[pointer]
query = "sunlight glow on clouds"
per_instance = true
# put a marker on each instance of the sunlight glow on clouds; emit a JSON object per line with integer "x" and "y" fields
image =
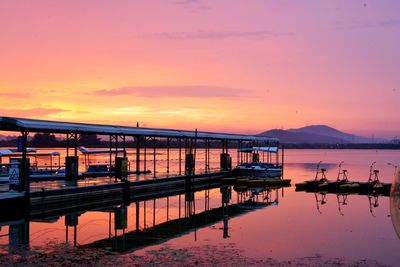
{"x": 215, "y": 65}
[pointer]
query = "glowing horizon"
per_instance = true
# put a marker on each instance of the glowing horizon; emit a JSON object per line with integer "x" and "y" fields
{"x": 225, "y": 66}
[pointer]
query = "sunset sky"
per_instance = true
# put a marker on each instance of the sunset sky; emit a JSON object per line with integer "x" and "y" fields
{"x": 231, "y": 66}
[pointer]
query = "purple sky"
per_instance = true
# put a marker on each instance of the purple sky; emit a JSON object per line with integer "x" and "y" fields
{"x": 241, "y": 66}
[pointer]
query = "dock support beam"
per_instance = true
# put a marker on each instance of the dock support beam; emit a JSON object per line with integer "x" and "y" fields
{"x": 137, "y": 214}
{"x": 168, "y": 156}
{"x": 137, "y": 139}
{"x": 225, "y": 158}
{"x": 154, "y": 157}
{"x": 145, "y": 154}
{"x": 180, "y": 155}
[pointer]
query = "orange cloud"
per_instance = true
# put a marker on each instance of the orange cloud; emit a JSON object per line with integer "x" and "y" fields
{"x": 30, "y": 112}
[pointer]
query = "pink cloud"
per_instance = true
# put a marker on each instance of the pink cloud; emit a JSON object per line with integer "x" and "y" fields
{"x": 174, "y": 91}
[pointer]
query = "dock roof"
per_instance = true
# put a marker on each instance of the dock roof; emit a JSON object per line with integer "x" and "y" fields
{"x": 57, "y": 127}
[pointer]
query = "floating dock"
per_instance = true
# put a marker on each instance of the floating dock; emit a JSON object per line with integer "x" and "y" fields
{"x": 360, "y": 188}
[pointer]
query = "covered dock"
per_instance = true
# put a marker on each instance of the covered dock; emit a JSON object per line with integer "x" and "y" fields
{"x": 145, "y": 141}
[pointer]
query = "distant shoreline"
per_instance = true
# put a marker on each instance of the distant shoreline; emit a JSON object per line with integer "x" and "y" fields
{"x": 216, "y": 144}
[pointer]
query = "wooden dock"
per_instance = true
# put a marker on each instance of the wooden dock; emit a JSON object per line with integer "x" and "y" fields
{"x": 49, "y": 202}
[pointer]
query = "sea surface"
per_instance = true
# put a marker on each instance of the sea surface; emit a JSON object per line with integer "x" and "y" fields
{"x": 288, "y": 225}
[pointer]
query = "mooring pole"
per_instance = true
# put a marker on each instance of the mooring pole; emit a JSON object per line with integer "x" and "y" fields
{"x": 154, "y": 212}
{"x": 66, "y": 234}
{"x": 205, "y": 156}
{"x": 67, "y": 144}
{"x": 115, "y": 161}
{"x": 23, "y": 168}
{"x": 75, "y": 144}
{"x": 282, "y": 161}
{"x": 75, "y": 236}
{"x": 116, "y": 145}
{"x": 167, "y": 155}
{"x": 208, "y": 154}
{"x": 154, "y": 157}
{"x": 145, "y": 154}
{"x": 238, "y": 152}
{"x": 194, "y": 154}
{"x": 180, "y": 156}
{"x": 109, "y": 224}
{"x": 110, "y": 159}
{"x": 137, "y": 138}
{"x": 167, "y": 209}
{"x": 124, "y": 145}
{"x": 137, "y": 216}
{"x": 179, "y": 212}
{"x": 144, "y": 214}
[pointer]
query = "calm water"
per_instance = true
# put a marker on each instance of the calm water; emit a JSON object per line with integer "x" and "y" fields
{"x": 297, "y": 226}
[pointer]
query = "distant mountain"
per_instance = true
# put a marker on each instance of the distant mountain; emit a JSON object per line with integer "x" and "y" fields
{"x": 318, "y": 134}
{"x": 8, "y": 137}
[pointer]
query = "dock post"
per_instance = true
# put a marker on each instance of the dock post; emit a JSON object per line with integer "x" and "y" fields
{"x": 256, "y": 157}
{"x": 154, "y": 212}
{"x": 18, "y": 235}
{"x": 179, "y": 206}
{"x": 137, "y": 139}
{"x": 19, "y": 173}
{"x": 144, "y": 214}
{"x": 76, "y": 144}
{"x": 238, "y": 152}
{"x": 110, "y": 155}
{"x": 71, "y": 167}
{"x": 67, "y": 143}
{"x": 205, "y": 156}
{"x": 145, "y": 154}
{"x": 121, "y": 218}
{"x": 282, "y": 161}
{"x": 72, "y": 220}
{"x": 225, "y": 158}
{"x": 180, "y": 156}
{"x": 167, "y": 156}
{"x": 167, "y": 209}
{"x": 137, "y": 214}
{"x": 189, "y": 164}
{"x": 208, "y": 155}
{"x": 154, "y": 157}
{"x": 115, "y": 160}
{"x": 121, "y": 168}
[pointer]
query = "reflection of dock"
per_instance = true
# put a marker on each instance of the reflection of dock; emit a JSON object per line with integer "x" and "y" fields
{"x": 191, "y": 221}
{"x": 184, "y": 221}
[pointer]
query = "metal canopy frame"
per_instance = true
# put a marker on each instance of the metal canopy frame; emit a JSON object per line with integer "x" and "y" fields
{"x": 44, "y": 126}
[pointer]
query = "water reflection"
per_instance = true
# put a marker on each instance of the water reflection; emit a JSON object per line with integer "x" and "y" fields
{"x": 342, "y": 201}
{"x": 351, "y": 226}
{"x": 395, "y": 204}
{"x": 141, "y": 223}
{"x": 312, "y": 166}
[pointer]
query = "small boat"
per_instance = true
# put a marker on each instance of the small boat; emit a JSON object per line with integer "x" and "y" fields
{"x": 256, "y": 168}
{"x": 35, "y": 170}
{"x": 97, "y": 169}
